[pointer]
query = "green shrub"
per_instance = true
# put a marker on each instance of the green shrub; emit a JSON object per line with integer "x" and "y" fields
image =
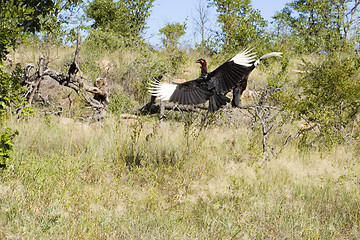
{"x": 10, "y": 90}
{"x": 121, "y": 103}
{"x": 99, "y": 39}
{"x": 329, "y": 95}
{"x": 6, "y": 145}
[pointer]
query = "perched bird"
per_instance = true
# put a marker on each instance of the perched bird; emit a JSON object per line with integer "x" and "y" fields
{"x": 210, "y": 86}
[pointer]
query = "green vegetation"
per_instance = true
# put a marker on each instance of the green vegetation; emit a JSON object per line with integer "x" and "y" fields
{"x": 126, "y": 19}
{"x": 6, "y": 145}
{"x": 316, "y": 26}
{"x": 240, "y": 23}
{"x": 286, "y": 165}
{"x": 10, "y": 93}
{"x": 74, "y": 180}
{"x": 172, "y": 32}
{"x": 329, "y": 96}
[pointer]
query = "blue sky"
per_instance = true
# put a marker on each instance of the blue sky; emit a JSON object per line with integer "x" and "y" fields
{"x": 169, "y": 11}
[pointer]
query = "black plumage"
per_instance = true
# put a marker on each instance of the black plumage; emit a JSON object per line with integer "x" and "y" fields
{"x": 240, "y": 87}
{"x": 243, "y": 72}
{"x": 210, "y": 86}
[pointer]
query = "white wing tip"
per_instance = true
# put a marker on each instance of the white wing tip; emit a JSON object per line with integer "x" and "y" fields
{"x": 245, "y": 58}
{"x": 162, "y": 91}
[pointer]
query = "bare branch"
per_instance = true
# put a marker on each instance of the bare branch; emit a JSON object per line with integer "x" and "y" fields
{"x": 98, "y": 101}
{"x": 202, "y": 19}
{"x": 39, "y": 78}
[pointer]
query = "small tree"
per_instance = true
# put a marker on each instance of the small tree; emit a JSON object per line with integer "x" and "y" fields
{"x": 127, "y": 19}
{"x": 201, "y": 21}
{"x": 241, "y": 25}
{"x": 268, "y": 114}
{"x": 172, "y": 33}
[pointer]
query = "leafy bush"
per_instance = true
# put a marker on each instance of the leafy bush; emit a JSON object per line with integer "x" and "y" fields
{"x": 329, "y": 95}
{"x": 6, "y": 145}
{"x": 10, "y": 89}
{"x": 99, "y": 39}
{"x": 120, "y": 103}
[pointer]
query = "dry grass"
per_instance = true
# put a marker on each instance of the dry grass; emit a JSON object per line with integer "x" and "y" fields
{"x": 70, "y": 180}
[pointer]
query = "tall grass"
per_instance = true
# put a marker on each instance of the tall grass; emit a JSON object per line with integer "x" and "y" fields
{"x": 194, "y": 177}
{"x": 69, "y": 180}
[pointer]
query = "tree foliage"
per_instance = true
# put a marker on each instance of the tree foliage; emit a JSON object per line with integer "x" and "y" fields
{"x": 32, "y": 16}
{"x": 13, "y": 17}
{"x": 125, "y": 18}
{"x": 10, "y": 91}
{"x": 319, "y": 25}
{"x": 52, "y": 24}
{"x": 241, "y": 25}
{"x": 172, "y": 33}
{"x": 328, "y": 95}
{"x": 6, "y": 145}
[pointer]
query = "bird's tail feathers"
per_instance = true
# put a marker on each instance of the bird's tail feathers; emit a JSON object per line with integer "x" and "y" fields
{"x": 217, "y": 101}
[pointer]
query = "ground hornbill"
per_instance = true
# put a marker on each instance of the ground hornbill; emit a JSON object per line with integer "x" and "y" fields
{"x": 211, "y": 86}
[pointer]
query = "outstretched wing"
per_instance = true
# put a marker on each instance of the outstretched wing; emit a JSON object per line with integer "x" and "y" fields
{"x": 191, "y": 92}
{"x": 219, "y": 81}
{"x": 226, "y": 76}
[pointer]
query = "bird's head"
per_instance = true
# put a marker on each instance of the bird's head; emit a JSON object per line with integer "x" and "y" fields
{"x": 203, "y": 65}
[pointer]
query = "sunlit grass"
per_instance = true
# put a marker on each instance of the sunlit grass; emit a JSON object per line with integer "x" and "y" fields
{"x": 186, "y": 179}
{"x": 80, "y": 181}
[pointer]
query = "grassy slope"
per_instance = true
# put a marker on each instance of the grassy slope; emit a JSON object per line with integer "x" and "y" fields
{"x": 70, "y": 180}
{"x": 76, "y": 181}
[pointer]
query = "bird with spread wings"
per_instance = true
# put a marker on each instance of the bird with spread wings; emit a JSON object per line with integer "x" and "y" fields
{"x": 210, "y": 86}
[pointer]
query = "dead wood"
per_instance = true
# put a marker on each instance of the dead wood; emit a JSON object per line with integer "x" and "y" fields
{"x": 73, "y": 79}
{"x": 153, "y": 108}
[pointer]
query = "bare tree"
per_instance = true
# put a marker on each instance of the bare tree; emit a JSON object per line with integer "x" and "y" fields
{"x": 352, "y": 22}
{"x": 268, "y": 116}
{"x": 73, "y": 79}
{"x": 202, "y": 19}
